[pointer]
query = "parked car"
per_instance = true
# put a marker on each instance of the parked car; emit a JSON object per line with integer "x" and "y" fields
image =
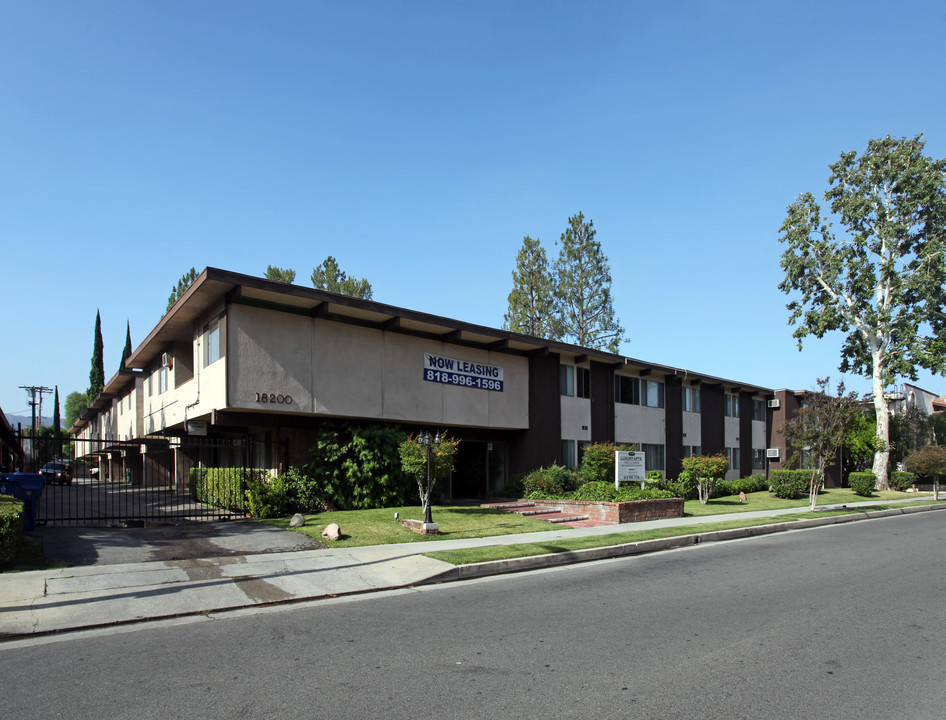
{"x": 57, "y": 471}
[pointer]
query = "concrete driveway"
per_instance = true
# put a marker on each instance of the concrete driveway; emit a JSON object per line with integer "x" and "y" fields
{"x": 186, "y": 541}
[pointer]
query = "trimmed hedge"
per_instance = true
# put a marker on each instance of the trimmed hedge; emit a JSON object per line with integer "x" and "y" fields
{"x": 605, "y": 492}
{"x": 862, "y": 483}
{"x": 224, "y": 487}
{"x": 11, "y": 527}
{"x": 790, "y": 484}
{"x": 901, "y": 480}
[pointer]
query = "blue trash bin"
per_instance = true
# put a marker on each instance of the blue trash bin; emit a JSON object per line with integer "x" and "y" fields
{"x": 27, "y": 487}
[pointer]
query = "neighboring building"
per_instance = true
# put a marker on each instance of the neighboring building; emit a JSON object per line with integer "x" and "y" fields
{"x": 240, "y": 356}
{"x": 11, "y": 452}
{"x": 782, "y": 409}
{"x": 908, "y": 395}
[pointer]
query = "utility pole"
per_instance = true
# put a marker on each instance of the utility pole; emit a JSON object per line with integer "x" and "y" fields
{"x": 33, "y": 390}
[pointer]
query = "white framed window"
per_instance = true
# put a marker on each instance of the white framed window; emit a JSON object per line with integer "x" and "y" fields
{"x": 652, "y": 393}
{"x": 213, "y": 341}
{"x": 162, "y": 379}
{"x": 569, "y": 454}
{"x": 691, "y": 399}
{"x": 566, "y": 380}
{"x": 731, "y": 405}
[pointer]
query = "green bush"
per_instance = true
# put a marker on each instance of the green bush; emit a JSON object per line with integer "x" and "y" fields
{"x": 223, "y": 487}
{"x": 753, "y": 483}
{"x": 549, "y": 481}
{"x": 597, "y": 462}
{"x": 790, "y": 484}
{"x": 654, "y": 477}
{"x": 901, "y": 480}
{"x": 267, "y": 497}
{"x": 724, "y": 488}
{"x": 685, "y": 486}
{"x": 862, "y": 483}
{"x": 358, "y": 467}
{"x": 11, "y": 527}
{"x": 303, "y": 491}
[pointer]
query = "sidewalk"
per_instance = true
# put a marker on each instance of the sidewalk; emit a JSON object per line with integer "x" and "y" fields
{"x": 50, "y": 601}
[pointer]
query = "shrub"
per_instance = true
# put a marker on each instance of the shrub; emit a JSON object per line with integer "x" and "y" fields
{"x": 901, "y": 480}
{"x": 267, "y": 497}
{"x": 654, "y": 477}
{"x": 597, "y": 462}
{"x": 223, "y": 487}
{"x": 605, "y": 492}
{"x": 553, "y": 480}
{"x": 709, "y": 470}
{"x": 753, "y": 483}
{"x": 790, "y": 484}
{"x": 303, "y": 491}
{"x": 11, "y": 527}
{"x": 685, "y": 486}
{"x": 862, "y": 483}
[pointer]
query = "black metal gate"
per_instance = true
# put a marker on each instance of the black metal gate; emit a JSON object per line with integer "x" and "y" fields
{"x": 148, "y": 481}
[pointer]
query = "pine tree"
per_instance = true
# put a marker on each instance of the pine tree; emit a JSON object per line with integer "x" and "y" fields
{"x": 185, "y": 282}
{"x": 126, "y": 352}
{"x": 532, "y": 308}
{"x": 57, "y": 419}
{"x": 278, "y": 274}
{"x": 583, "y": 286}
{"x": 97, "y": 373}
{"x": 328, "y": 276}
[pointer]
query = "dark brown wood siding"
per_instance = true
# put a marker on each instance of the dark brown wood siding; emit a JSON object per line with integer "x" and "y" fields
{"x": 673, "y": 404}
{"x": 541, "y": 444}
{"x": 602, "y": 403}
{"x": 745, "y": 434}
{"x": 712, "y": 434}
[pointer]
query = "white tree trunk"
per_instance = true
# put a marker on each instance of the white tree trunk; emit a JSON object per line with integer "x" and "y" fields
{"x": 882, "y": 453}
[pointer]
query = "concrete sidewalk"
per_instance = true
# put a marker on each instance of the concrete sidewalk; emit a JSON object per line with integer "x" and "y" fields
{"x": 50, "y": 601}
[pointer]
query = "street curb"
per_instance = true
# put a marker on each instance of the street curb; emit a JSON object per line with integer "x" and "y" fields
{"x": 570, "y": 557}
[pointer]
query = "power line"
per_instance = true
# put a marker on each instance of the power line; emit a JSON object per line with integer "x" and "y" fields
{"x": 33, "y": 402}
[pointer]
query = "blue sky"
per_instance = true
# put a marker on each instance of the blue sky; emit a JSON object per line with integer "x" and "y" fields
{"x": 418, "y": 142}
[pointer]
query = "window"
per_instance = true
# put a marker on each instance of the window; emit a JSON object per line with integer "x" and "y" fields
{"x": 758, "y": 409}
{"x": 566, "y": 380}
{"x": 653, "y": 456}
{"x": 691, "y": 399}
{"x": 582, "y": 382}
{"x": 652, "y": 393}
{"x": 162, "y": 375}
{"x": 732, "y": 455}
{"x": 150, "y": 388}
{"x": 627, "y": 390}
{"x": 758, "y": 459}
{"x": 731, "y": 405}
{"x": 691, "y": 450}
{"x": 212, "y": 341}
{"x": 568, "y": 454}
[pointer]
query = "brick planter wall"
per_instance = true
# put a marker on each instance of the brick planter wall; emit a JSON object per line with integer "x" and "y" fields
{"x": 619, "y": 512}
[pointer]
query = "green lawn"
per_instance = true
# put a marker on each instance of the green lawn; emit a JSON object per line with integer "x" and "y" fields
{"x": 378, "y": 527}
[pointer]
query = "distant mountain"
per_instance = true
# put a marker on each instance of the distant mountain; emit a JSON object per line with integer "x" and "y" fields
{"x": 26, "y": 420}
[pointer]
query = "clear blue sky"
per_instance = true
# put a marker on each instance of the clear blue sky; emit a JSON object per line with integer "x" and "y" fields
{"x": 418, "y": 142}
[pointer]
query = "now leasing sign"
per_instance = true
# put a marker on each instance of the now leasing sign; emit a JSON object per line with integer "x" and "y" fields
{"x": 463, "y": 373}
{"x": 628, "y": 467}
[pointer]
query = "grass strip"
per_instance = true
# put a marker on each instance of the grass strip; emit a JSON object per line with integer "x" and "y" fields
{"x": 507, "y": 552}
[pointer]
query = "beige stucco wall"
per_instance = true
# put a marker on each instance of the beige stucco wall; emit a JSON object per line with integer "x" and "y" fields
{"x": 576, "y": 418}
{"x": 692, "y": 428}
{"x": 639, "y": 424}
{"x": 342, "y": 370}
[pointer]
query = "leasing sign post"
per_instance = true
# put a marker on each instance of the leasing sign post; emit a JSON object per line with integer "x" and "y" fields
{"x": 629, "y": 467}
{"x": 462, "y": 373}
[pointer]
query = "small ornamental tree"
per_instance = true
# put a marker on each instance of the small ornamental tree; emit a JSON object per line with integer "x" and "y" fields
{"x": 414, "y": 463}
{"x": 818, "y": 429}
{"x": 708, "y": 470}
{"x": 929, "y": 462}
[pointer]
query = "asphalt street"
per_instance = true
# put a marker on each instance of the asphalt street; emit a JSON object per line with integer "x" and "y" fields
{"x": 840, "y": 621}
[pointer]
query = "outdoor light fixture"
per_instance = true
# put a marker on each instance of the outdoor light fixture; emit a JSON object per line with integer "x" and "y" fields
{"x": 426, "y": 441}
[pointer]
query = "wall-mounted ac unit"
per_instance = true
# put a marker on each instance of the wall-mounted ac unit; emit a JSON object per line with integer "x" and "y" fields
{"x": 165, "y": 359}
{"x": 773, "y": 453}
{"x": 775, "y": 403}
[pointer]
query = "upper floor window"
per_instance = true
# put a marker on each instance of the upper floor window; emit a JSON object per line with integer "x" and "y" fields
{"x": 758, "y": 410}
{"x": 627, "y": 390}
{"x": 566, "y": 380}
{"x": 652, "y": 393}
{"x": 731, "y": 405}
{"x": 213, "y": 341}
{"x": 582, "y": 382}
{"x": 162, "y": 379}
{"x": 691, "y": 399}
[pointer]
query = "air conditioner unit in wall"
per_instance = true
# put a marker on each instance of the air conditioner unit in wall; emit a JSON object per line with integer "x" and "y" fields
{"x": 165, "y": 359}
{"x": 775, "y": 403}
{"x": 773, "y": 453}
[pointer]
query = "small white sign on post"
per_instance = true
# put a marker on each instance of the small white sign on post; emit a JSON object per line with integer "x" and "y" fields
{"x": 628, "y": 467}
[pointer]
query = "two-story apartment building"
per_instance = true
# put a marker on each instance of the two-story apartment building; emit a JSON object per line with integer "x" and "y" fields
{"x": 240, "y": 356}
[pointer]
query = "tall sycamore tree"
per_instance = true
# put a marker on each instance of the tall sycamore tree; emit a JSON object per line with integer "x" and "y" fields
{"x": 881, "y": 283}
{"x": 583, "y": 286}
{"x": 532, "y": 306}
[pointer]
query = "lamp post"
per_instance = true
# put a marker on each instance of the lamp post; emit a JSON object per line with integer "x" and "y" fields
{"x": 426, "y": 441}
